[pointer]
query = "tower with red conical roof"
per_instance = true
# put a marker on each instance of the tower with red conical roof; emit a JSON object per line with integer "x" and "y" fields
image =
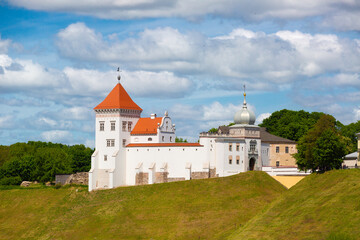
{"x": 116, "y": 117}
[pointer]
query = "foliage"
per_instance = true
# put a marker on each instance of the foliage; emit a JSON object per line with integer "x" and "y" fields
{"x": 322, "y": 148}
{"x": 290, "y": 124}
{"x": 213, "y": 130}
{"x": 180, "y": 140}
{"x": 41, "y": 161}
{"x": 11, "y": 181}
{"x": 349, "y": 132}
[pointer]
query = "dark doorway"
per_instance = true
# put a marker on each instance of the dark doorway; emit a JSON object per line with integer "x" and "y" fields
{"x": 252, "y": 164}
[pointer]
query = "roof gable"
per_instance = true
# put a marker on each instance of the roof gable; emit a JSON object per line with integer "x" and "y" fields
{"x": 118, "y": 98}
{"x": 146, "y": 126}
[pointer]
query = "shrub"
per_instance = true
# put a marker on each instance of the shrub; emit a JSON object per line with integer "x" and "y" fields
{"x": 11, "y": 181}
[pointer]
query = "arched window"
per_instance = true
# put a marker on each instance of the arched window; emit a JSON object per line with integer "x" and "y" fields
{"x": 149, "y": 139}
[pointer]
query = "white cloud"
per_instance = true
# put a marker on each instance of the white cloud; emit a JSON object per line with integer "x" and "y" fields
{"x": 76, "y": 113}
{"x": 6, "y": 121}
{"x": 261, "y": 118}
{"x": 331, "y": 10}
{"x": 4, "y": 45}
{"x": 263, "y": 59}
{"x": 57, "y": 136}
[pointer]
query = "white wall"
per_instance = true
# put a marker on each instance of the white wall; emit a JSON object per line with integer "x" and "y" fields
{"x": 176, "y": 159}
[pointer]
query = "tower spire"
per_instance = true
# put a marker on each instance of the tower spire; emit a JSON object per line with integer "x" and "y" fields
{"x": 244, "y": 104}
{"x": 118, "y": 77}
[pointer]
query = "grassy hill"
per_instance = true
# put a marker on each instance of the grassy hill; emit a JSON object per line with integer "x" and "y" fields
{"x": 321, "y": 206}
{"x": 197, "y": 209}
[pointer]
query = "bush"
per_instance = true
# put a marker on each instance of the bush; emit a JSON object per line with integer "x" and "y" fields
{"x": 11, "y": 181}
{"x": 57, "y": 186}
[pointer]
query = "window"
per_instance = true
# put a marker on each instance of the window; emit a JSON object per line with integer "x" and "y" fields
{"x": 124, "y": 126}
{"x": 170, "y": 139}
{"x": 277, "y": 163}
{"x": 149, "y": 139}
{"x": 163, "y": 138}
{"x": 237, "y": 147}
{"x": 230, "y": 147}
{"x": 277, "y": 149}
{"x": 112, "y": 126}
{"x": 110, "y": 142}
{"x": 252, "y": 146}
{"x": 124, "y": 143}
{"x": 105, "y": 158}
{"x": 237, "y": 160}
{"x": 102, "y": 126}
{"x": 129, "y": 126}
{"x": 286, "y": 149}
{"x": 230, "y": 159}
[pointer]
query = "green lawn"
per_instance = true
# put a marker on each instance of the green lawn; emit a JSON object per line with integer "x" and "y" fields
{"x": 196, "y": 209}
{"x": 321, "y": 206}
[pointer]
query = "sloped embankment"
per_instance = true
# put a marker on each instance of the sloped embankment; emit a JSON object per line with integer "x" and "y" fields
{"x": 196, "y": 209}
{"x": 321, "y": 206}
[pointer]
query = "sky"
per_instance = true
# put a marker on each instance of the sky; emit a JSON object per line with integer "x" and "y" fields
{"x": 58, "y": 60}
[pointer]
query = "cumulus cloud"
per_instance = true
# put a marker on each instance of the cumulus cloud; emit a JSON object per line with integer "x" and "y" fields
{"x": 56, "y": 136}
{"x": 263, "y": 59}
{"x": 330, "y": 10}
{"x": 6, "y": 121}
{"x": 261, "y": 118}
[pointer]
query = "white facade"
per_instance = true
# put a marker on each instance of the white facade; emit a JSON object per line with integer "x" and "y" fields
{"x": 131, "y": 150}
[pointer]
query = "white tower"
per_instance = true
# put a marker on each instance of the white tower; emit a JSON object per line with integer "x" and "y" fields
{"x": 116, "y": 116}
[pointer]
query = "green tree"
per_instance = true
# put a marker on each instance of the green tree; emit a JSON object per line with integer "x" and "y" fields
{"x": 322, "y": 147}
{"x": 179, "y": 140}
{"x": 290, "y": 124}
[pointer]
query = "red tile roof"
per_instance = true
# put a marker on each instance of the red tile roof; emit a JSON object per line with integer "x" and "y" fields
{"x": 118, "y": 98}
{"x": 146, "y": 126}
{"x": 164, "y": 145}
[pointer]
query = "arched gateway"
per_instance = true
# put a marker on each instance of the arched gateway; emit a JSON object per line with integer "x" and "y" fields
{"x": 252, "y": 164}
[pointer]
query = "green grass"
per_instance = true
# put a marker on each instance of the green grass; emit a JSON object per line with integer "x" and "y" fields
{"x": 196, "y": 209}
{"x": 321, "y": 206}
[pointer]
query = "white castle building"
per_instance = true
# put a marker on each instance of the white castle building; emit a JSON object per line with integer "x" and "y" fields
{"x": 132, "y": 150}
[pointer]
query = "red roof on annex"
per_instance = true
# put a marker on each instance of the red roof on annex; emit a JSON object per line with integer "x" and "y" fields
{"x": 146, "y": 126}
{"x": 118, "y": 98}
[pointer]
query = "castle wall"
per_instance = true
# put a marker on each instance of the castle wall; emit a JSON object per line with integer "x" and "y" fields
{"x": 165, "y": 162}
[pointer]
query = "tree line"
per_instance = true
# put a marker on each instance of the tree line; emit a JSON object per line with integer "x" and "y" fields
{"x": 41, "y": 161}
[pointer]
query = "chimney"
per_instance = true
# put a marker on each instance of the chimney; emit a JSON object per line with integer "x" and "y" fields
{"x": 153, "y": 116}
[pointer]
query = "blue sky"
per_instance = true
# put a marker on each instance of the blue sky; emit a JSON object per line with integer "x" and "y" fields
{"x": 58, "y": 60}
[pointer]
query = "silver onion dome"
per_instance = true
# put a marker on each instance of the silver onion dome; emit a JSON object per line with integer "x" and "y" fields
{"x": 245, "y": 116}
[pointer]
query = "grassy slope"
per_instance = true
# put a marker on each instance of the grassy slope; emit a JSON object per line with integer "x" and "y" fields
{"x": 197, "y": 209}
{"x": 321, "y": 206}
